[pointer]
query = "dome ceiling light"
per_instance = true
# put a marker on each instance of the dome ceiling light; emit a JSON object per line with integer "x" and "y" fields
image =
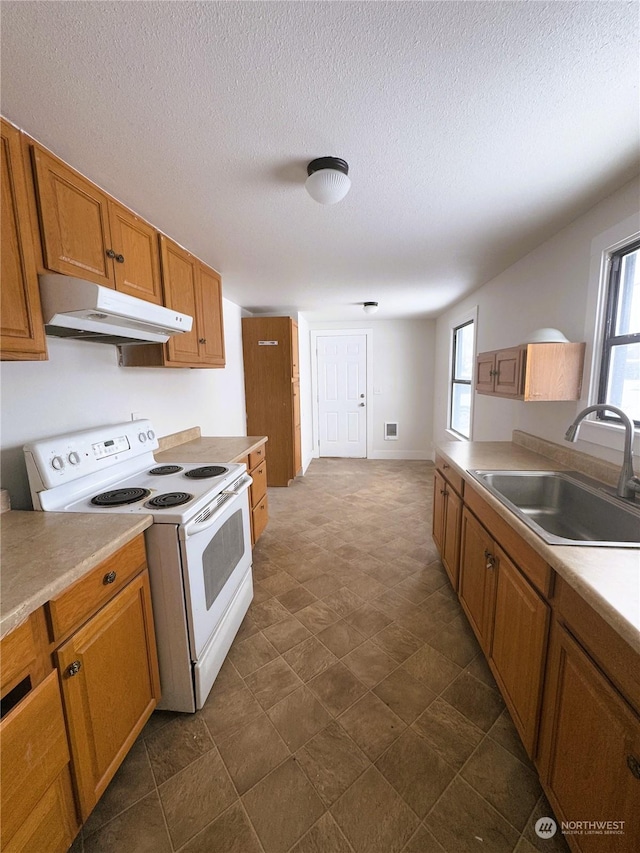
{"x": 370, "y": 307}
{"x": 328, "y": 180}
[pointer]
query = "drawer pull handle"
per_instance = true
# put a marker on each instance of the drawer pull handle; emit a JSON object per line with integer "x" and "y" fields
{"x": 490, "y": 560}
{"x": 73, "y": 668}
{"x": 634, "y": 765}
{"x": 109, "y": 578}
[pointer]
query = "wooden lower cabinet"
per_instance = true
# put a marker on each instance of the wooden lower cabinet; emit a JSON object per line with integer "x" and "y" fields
{"x": 477, "y": 578}
{"x": 257, "y": 466}
{"x": 110, "y": 686}
{"x": 589, "y": 758}
{"x": 447, "y": 518}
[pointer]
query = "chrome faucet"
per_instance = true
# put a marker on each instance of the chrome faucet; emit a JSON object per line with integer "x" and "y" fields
{"x": 628, "y": 483}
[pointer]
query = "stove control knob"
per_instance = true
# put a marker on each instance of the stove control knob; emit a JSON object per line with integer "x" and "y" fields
{"x": 58, "y": 463}
{"x": 74, "y": 458}
{"x": 151, "y": 434}
{"x": 142, "y": 437}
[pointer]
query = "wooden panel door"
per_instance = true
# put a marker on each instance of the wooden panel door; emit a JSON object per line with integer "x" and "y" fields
{"x": 297, "y": 431}
{"x": 342, "y": 386}
{"x": 22, "y": 332}
{"x": 210, "y": 320}
{"x": 439, "y": 507}
{"x": 508, "y": 372}
{"x": 485, "y": 368}
{"x": 179, "y": 277}
{"x": 519, "y": 642}
{"x": 137, "y": 261}
{"x": 75, "y": 221}
{"x": 477, "y": 577}
{"x": 590, "y": 748}
{"x": 110, "y": 685}
{"x": 450, "y": 554}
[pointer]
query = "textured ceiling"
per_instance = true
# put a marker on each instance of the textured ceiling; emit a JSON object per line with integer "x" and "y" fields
{"x": 473, "y": 131}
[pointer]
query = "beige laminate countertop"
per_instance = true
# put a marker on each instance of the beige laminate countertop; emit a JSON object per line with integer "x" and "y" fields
{"x": 45, "y": 552}
{"x": 608, "y": 578}
{"x": 210, "y": 449}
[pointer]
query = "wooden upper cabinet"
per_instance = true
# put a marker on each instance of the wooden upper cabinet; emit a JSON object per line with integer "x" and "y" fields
{"x": 210, "y": 320}
{"x": 86, "y": 234}
{"x": 21, "y": 327}
{"x": 532, "y": 372}
{"x": 180, "y": 277}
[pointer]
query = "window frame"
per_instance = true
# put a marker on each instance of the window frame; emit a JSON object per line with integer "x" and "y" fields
{"x": 469, "y": 319}
{"x": 609, "y": 339}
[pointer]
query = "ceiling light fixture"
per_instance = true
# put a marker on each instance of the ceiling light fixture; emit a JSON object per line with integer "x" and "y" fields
{"x": 370, "y": 307}
{"x": 328, "y": 180}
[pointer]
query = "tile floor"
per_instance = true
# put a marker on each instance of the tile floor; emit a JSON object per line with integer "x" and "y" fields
{"x": 354, "y": 714}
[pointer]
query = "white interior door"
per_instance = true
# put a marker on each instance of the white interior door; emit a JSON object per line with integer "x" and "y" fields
{"x": 342, "y": 402}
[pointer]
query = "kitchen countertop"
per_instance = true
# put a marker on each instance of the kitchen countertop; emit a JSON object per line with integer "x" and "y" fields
{"x": 209, "y": 449}
{"x": 607, "y": 578}
{"x": 45, "y": 552}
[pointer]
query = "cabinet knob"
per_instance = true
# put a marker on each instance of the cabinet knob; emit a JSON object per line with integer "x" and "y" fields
{"x": 490, "y": 560}
{"x": 443, "y": 491}
{"x": 73, "y": 668}
{"x": 634, "y": 765}
{"x": 111, "y": 253}
{"x": 202, "y": 340}
{"x": 119, "y": 259}
{"x": 109, "y": 578}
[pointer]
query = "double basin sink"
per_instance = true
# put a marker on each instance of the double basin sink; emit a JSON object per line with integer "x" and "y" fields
{"x": 566, "y": 508}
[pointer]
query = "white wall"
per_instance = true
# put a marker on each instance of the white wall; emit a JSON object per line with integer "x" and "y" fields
{"x": 551, "y": 286}
{"x": 403, "y": 373}
{"x": 82, "y": 386}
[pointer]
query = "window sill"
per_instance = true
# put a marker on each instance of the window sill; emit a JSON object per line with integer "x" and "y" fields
{"x": 455, "y": 436}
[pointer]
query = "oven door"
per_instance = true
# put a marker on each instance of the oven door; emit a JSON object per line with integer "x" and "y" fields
{"x": 216, "y": 558}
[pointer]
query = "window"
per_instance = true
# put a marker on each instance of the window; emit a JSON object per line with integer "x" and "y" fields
{"x": 461, "y": 378}
{"x": 620, "y": 366}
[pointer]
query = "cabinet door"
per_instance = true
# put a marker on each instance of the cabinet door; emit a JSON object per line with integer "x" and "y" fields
{"x": 110, "y": 685}
{"x": 477, "y": 577}
{"x": 75, "y": 224}
{"x": 590, "y": 748}
{"x": 22, "y": 331}
{"x": 210, "y": 320}
{"x": 295, "y": 351}
{"x": 520, "y": 627}
{"x": 439, "y": 503}
{"x": 508, "y": 372}
{"x": 297, "y": 447}
{"x": 485, "y": 368}
{"x": 136, "y": 243}
{"x": 451, "y": 548}
{"x": 179, "y": 277}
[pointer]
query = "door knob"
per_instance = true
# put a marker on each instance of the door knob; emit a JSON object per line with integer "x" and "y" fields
{"x": 362, "y": 395}
{"x": 361, "y": 404}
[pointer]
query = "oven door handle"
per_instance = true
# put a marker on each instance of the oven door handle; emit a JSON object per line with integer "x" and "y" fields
{"x": 195, "y": 527}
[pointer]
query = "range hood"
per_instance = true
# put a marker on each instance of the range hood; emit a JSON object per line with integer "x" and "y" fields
{"x": 78, "y": 309}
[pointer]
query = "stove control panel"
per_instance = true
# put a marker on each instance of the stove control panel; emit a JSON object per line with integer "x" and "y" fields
{"x": 110, "y": 446}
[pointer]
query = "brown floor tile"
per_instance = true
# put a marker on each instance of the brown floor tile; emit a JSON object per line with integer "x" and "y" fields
{"x": 247, "y": 628}
{"x": 449, "y": 732}
{"x": 159, "y": 719}
{"x": 369, "y": 663}
{"x": 194, "y": 797}
{"x": 323, "y": 837}
{"x": 317, "y": 616}
{"x": 337, "y": 688}
{"x": 524, "y": 846}
{"x": 461, "y": 816}
{"x": 176, "y": 745}
{"x": 296, "y": 599}
{"x": 140, "y": 828}
{"x": 287, "y": 787}
{"x": 475, "y": 700}
{"x": 368, "y": 619}
{"x": 479, "y": 668}
{"x": 432, "y": 668}
{"x": 251, "y": 654}
{"x": 397, "y": 642}
{"x": 260, "y": 593}
{"x": 365, "y": 586}
{"x": 279, "y": 583}
{"x": 227, "y": 679}
{"x": 225, "y": 713}
{"x": 393, "y": 603}
{"x": 273, "y": 682}
{"x": 556, "y": 844}
{"x": 309, "y": 658}
{"x": 456, "y": 641}
{"x": 405, "y": 695}
{"x": 422, "y": 622}
{"x": 504, "y": 732}
{"x": 341, "y": 638}
{"x": 230, "y": 833}
{"x": 503, "y": 781}
{"x": 386, "y": 823}
{"x": 252, "y": 752}
{"x": 423, "y": 842}
{"x": 299, "y": 717}
{"x": 372, "y": 725}
{"x": 133, "y": 781}
{"x": 416, "y": 771}
{"x": 323, "y": 585}
{"x": 332, "y": 761}
{"x": 414, "y": 589}
{"x": 268, "y": 613}
{"x": 286, "y": 634}
{"x": 343, "y": 601}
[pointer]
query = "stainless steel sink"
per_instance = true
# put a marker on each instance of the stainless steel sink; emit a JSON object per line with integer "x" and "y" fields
{"x": 566, "y": 508}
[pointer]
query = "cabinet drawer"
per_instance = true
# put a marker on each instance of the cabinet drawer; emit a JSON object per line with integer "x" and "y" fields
{"x": 52, "y": 825}
{"x": 79, "y": 601}
{"x": 34, "y": 752}
{"x": 257, "y": 457}
{"x": 449, "y": 473}
{"x": 259, "y": 485}
{"x": 260, "y": 516}
{"x": 23, "y": 652}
